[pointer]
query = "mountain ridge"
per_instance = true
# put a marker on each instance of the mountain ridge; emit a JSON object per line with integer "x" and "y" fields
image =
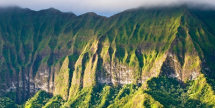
{"x": 75, "y": 56}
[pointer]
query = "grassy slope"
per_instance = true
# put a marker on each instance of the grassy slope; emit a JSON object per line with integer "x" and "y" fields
{"x": 30, "y": 39}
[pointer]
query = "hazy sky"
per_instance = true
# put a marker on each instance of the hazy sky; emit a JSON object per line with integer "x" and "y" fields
{"x": 101, "y": 7}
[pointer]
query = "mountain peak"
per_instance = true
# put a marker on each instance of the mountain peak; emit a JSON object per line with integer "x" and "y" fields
{"x": 75, "y": 57}
{"x": 89, "y": 14}
{"x": 51, "y": 10}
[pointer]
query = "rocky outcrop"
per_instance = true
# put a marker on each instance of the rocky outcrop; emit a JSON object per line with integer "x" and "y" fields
{"x": 62, "y": 53}
{"x": 115, "y": 75}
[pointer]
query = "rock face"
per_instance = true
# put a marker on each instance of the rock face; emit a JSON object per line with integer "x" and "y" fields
{"x": 62, "y": 53}
{"x": 172, "y": 68}
{"x": 118, "y": 74}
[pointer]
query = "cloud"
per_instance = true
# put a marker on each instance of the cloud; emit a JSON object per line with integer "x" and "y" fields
{"x": 102, "y": 7}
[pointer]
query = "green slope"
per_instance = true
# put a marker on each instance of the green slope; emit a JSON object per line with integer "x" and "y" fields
{"x": 120, "y": 61}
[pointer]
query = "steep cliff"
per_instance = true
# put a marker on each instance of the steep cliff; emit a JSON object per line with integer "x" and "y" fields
{"x": 77, "y": 56}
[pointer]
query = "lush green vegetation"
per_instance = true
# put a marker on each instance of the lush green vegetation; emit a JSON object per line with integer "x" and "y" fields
{"x": 54, "y": 102}
{"x": 156, "y": 93}
{"x": 6, "y": 102}
{"x": 39, "y": 100}
{"x": 155, "y": 44}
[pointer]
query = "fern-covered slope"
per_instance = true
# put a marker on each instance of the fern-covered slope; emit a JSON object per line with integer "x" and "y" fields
{"x": 74, "y": 56}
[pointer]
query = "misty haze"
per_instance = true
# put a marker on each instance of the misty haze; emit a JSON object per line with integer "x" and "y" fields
{"x": 107, "y": 54}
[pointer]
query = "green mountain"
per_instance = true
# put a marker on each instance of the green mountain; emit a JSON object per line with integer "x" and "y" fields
{"x": 145, "y": 57}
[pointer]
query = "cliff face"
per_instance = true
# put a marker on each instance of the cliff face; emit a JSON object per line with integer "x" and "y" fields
{"x": 62, "y": 53}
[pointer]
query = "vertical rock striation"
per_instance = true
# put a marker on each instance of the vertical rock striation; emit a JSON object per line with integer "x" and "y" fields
{"x": 62, "y": 53}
